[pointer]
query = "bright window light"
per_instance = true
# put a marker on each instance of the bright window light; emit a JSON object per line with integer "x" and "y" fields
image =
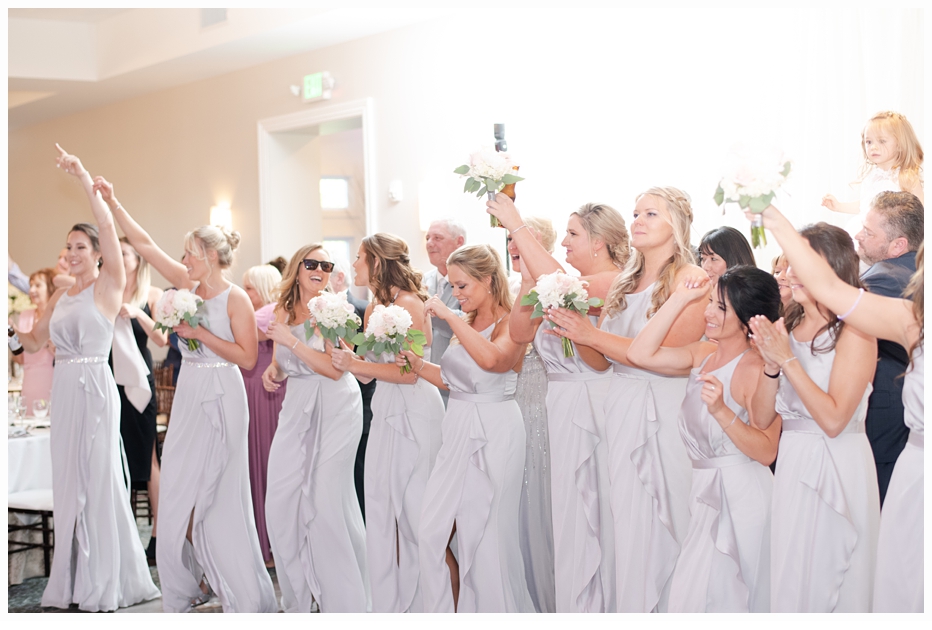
{"x": 334, "y": 193}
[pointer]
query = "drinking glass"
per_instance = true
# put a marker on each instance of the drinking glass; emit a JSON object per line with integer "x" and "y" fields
{"x": 40, "y": 408}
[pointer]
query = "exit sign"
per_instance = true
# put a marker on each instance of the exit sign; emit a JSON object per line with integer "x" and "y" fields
{"x": 317, "y": 86}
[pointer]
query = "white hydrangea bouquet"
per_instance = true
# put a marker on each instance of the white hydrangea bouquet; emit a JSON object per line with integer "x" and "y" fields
{"x": 751, "y": 180}
{"x": 176, "y": 306}
{"x": 389, "y": 330}
{"x": 488, "y": 172}
{"x": 335, "y": 317}
{"x": 565, "y": 291}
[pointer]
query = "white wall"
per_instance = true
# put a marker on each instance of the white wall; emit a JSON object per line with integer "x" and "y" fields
{"x": 598, "y": 106}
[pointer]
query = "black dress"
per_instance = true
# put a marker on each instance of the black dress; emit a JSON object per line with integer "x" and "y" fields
{"x": 138, "y": 430}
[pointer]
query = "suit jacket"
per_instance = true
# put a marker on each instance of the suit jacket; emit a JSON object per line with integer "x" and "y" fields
{"x": 435, "y": 284}
{"x": 886, "y": 430}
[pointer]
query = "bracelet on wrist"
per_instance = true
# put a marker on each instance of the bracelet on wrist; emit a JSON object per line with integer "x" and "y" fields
{"x": 777, "y": 375}
{"x": 515, "y": 231}
{"x": 730, "y": 423}
{"x": 295, "y": 345}
{"x": 785, "y": 361}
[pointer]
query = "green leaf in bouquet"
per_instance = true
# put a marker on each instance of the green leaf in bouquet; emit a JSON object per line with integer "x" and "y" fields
{"x": 358, "y": 339}
{"x": 461, "y": 170}
{"x": 308, "y": 331}
{"x": 595, "y": 302}
{"x": 579, "y": 306}
{"x": 191, "y": 320}
{"x": 417, "y": 349}
{"x": 743, "y": 201}
{"x": 339, "y": 331}
{"x": 538, "y": 311}
{"x": 469, "y": 183}
{"x": 758, "y": 204}
{"x": 416, "y": 336}
{"x": 786, "y": 169}
{"x": 481, "y": 192}
{"x": 508, "y": 178}
{"x": 379, "y": 347}
{"x": 719, "y": 197}
{"x": 476, "y": 185}
{"x": 530, "y": 298}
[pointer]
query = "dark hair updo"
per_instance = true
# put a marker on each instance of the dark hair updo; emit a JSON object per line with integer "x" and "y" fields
{"x": 751, "y": 291}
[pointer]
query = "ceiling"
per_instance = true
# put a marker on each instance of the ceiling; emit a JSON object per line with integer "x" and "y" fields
{"x": 62, "y": 61}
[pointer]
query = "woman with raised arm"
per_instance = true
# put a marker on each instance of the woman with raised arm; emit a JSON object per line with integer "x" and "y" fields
{"x": 649, "y": 468}
{"x": 404, "y": 436}
{"x": 138, "y": 427}
{"x": 206, "y": 528}
{"x": 475, "y": 485}
{"x": 826, "y": 505}
{"x": 99, "y": 562}
{"x": 315, "y": 524}
{"x": 724, "y": 563}
{"x": 898, "y": 577}
{"x": 597, "y": 246}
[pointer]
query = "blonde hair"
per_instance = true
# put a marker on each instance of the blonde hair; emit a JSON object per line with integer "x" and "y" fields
{"x": 480, "y": 262}
{"x": 909, "y": 151}
{"x": 143, "y": 277}
{"x": 389, "y": 266}
{"x": 679, "y": 213}
{"x": 603, "y": 222}
{"x": 265, "y": 279}
{"x": 289, "y": 293}
{"x": 215, "y": 237}
{"x": 779, "y": 259}
{"x": 545, "y": 232}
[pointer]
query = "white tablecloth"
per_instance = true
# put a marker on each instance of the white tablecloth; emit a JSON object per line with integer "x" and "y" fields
{"x": 30, "y": 462}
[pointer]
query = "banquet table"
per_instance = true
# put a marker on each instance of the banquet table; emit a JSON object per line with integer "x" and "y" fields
{"x": 29, "y": 468}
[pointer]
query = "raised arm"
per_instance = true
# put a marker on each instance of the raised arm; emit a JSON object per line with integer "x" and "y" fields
{"x": 112, "y": 278}
{"x": 171, "y": 269}
{"x": 533, "y": 255}
{"x": 875, "y": 315}
{"x": 647, "y": 350}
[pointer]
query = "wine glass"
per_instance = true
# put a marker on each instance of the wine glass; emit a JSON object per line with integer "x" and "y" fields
{"x": 11, "y": 408}
{"x": 40, "y": 408}
{"x": 20, "y": 407}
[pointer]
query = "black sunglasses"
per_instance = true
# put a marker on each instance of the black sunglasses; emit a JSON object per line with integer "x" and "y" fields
{"x": 310, "y": 264}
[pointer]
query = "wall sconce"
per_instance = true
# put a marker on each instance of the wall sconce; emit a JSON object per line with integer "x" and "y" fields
{"x": 222, "y": 215}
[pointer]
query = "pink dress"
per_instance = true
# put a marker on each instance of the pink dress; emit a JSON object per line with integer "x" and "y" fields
{"x": 37, "y": 368}
{"x": 264, "y": 408}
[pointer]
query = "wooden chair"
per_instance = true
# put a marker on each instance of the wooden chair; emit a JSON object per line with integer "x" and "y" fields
{"x": 141, "y": 506}
{"x": 32, "y": 503}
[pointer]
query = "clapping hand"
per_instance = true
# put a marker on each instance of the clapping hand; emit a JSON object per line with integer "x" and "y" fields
{"x": 69, "y": 163}
{"x": 695, "y": 285}
{"x": 771, "y": 340}
{"x": 128, "y": 311}
{"x": 712, "y": 393}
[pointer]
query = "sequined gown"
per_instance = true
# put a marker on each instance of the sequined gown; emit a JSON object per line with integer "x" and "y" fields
{"x": 826, "y": 505}
{"x": 650, "y": 471}
{"x": 583, "y": 539}
{"x": 315, "y": 524}
{"x": 205, "y": 468}
{"x": 404, "y": 439}
{"x": 724, "y": 565}
{"x": 476, "y": 484}
{"x": 898, "y": 584}
{"x": 99, "y": 563}
{"x": 535, "y": 516}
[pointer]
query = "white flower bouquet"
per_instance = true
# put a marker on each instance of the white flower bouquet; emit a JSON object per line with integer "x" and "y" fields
{"x": 176, "y": 306}
{"x": 751, "y": 180}
{"x": 488, "y": 172}
{"x": 560, "y": 289}
{"x": 389, "y": 330}
{"x": 334, "y": 317}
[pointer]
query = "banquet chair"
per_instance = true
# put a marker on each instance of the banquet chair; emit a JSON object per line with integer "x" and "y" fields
{"x": 143, "y": 507}
{"x": 32, "y": 503}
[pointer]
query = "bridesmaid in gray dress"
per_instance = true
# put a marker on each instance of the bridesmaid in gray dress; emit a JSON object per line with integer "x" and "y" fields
{"x": 724, "y": 563}
{"x": 99, "y": 563}
{"x": 475, "y": 486}
{"x": 207, "y": 531}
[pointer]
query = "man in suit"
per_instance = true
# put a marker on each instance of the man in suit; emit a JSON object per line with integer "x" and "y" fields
{"x": 339, "y": 281}
{"x": 443, "y": 238}
{"x": 891, "y": 234}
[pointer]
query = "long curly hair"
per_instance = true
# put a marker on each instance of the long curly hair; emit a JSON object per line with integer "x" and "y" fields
{"x": 837, "y": 248}
{"x": 289, "y": 293}
{"x": 390, "y": 266}
{"x": 480, "y": 262}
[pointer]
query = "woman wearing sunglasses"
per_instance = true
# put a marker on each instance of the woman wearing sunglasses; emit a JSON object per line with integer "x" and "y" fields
{"x": 207, "y": 531}
{"x": 404, "y": 436}
{"x": 313, "y": 517}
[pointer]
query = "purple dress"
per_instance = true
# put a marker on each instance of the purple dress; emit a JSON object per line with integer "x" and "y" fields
{"x": 264, "y": 408}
